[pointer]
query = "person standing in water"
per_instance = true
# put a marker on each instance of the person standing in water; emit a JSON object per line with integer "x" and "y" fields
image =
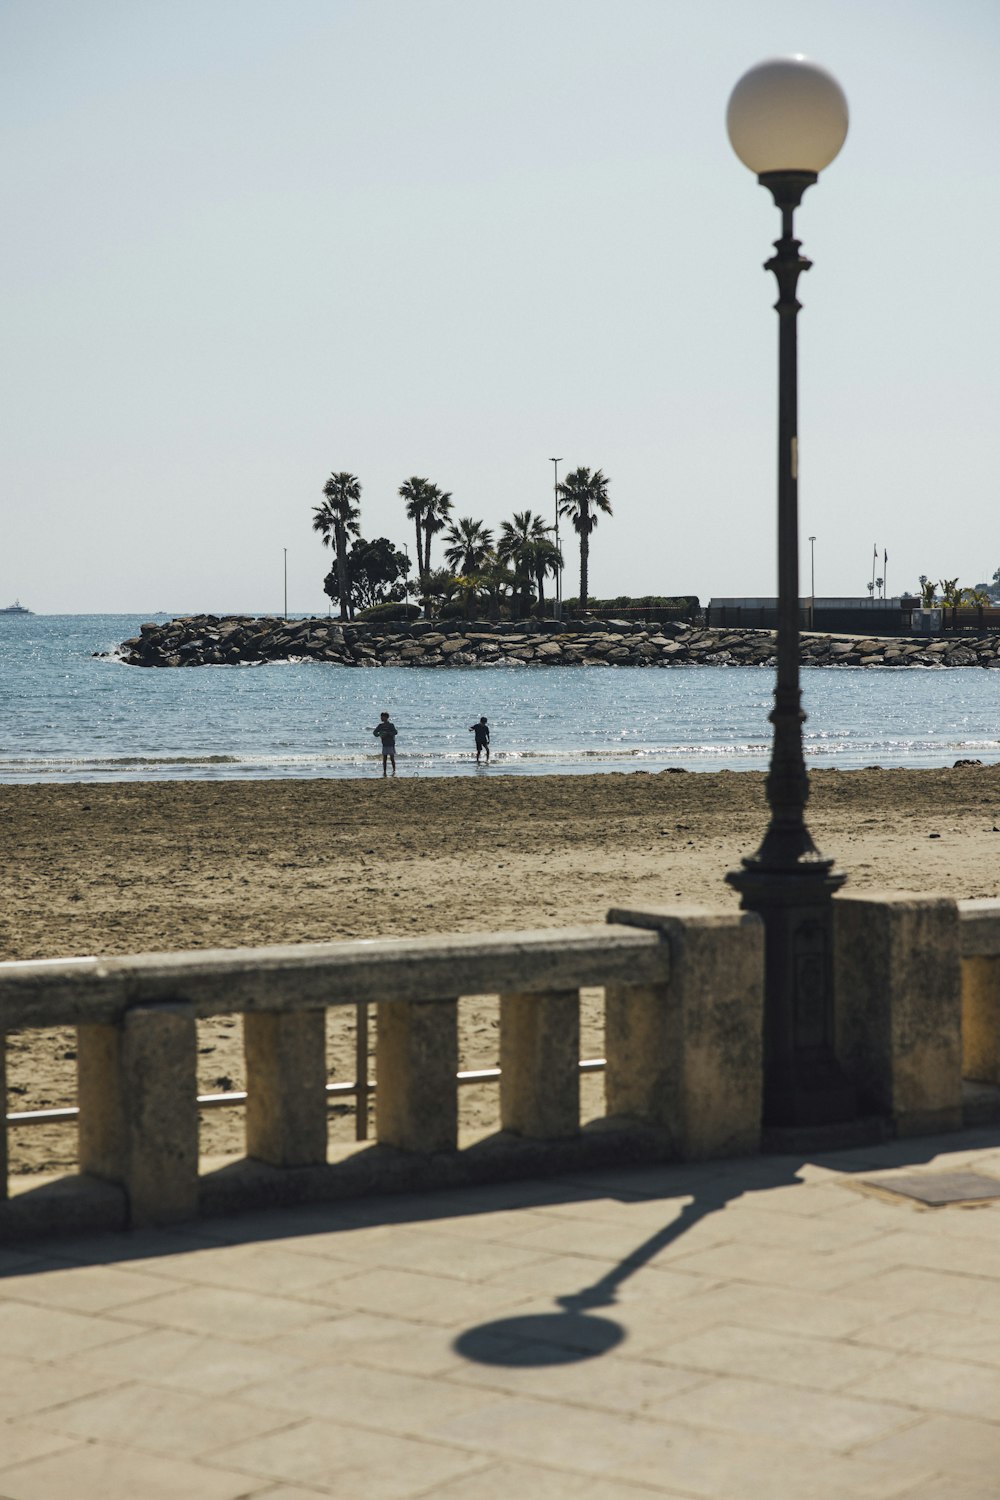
{"x": 385, "y": 731}
{"x": 482, "y": 733}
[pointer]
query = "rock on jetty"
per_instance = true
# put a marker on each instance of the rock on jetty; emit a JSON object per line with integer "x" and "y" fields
{"x": 233, "y": 640}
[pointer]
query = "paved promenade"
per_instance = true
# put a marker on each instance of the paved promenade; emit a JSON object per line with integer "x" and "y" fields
{"x": 770, "y": 1329}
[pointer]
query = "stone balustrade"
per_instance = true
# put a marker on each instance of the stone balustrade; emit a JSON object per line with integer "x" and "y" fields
{"x": 918, "y": 996}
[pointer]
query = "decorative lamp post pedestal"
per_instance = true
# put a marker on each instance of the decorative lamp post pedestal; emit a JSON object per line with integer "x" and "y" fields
{"x": 787, "y": 120}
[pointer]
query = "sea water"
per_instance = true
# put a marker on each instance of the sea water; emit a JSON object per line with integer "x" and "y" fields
{"x": 67, "y": 714}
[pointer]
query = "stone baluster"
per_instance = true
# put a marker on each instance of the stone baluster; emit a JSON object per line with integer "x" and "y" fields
{"x": 416, "y": 1063}
{"x": 138, "y": 1123}
{"x": 540, "y": 1064}
{"x": 286, "y": 1118}
{"x": 898, "y": 979}
{"x": 981, "y": 1019}
{"x": 980, "y": 944}
{"x": 686, "y": 1056}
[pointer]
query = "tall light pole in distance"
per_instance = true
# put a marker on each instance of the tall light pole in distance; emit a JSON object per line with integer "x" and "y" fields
{"x": 557, "y": 606}
{"x": 787, "y": 120}
{"x": 285, "y": 551}
{"x": 812, "y": 582}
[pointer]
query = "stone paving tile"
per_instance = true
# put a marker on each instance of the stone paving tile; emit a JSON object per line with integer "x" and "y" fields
{"x": 505, "y": 1227}
{"x": 816, "y": 1233}
{"x": 290, "y": 1226}
{"x": 548, "y": 1433}
{"x": 350, "y": 1463}
{"x": 772, "y": 1265}
{"x": 385, "y": 1399}
{"x": 16, "y": 1262}
{"x": 241, "y": 1316}
{"x": 136, "y": 1248}
{"x": 368, "y": 1338}
{"x": 434, "y": 1299}
{"x": 751, "y": 1353}
{"x": 19, "y": 1443}
{"x": 614, "y": 1384}
{"x": 501, "y": 1481}
{"x": 558, "y": 1275}
{"x": 932, "y": 1252}
{"x": 435, "y": 1250}
{"x": 801, "y": 1199}
{"x": 645, "y": 1214}
{"x": 468, "y": 1205}
{"x": 756, "y": 1467}
{"x": 51, "y": 1334}
{"x": 911, "y": 1287}
{"x": 765, "y": 1407}
{"x": 950, "y": 1488}
{"x": 172, "y": 1357}
{"x": 944, "y": 1445}
{"x": 932, "y": 1384}
{"x": 160, "y": 1420}
{"x": 957, "y": 1222}
{"x": 35, "y": 1388}
{"x": 98, "y": 1471}
{"x": 84, "y": 1289}
{"x": 597, "y": 1240}
{"x": 810, "y": 1314}
{"x": 253, "y": 1267}
{"x": 976, "y": 1340}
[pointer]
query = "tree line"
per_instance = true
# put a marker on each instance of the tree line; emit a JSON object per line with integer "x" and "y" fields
{"x": 480, "y": 566}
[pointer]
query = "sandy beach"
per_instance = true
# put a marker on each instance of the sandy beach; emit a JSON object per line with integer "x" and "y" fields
{"x": 126, "y": 868}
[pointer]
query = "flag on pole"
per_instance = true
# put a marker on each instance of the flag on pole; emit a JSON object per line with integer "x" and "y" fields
{"x": 875, "y": 551}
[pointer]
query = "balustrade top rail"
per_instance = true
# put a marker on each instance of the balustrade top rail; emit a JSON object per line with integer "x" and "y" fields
{"x": 304, "y": 976}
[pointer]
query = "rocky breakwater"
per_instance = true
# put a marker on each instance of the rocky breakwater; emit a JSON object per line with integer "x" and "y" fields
{"x": 234, "y": 640}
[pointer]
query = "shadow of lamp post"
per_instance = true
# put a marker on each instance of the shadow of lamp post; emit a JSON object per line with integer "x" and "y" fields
{"x": 787, "y": 120}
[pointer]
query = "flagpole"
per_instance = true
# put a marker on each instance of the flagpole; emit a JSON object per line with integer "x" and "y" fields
{"x": 874, "y": 566}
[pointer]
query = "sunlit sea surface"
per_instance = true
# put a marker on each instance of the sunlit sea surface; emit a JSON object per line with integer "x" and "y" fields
{"x": 68, "y": 715}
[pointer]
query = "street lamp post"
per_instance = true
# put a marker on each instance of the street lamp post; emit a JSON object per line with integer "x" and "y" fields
{"x": 557, "y": 603}
{"x": 787, "y": 120}
{"x": 285, "y": 551}
{"x": 812, "y": 583}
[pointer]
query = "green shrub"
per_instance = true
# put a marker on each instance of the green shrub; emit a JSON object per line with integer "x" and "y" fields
{"x": 389, "y": 612}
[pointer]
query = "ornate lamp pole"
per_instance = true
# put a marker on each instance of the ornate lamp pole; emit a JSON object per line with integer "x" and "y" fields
{"x": 787, "y": 119}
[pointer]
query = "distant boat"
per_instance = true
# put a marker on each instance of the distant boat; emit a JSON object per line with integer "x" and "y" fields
{"x": 17, "y": 608}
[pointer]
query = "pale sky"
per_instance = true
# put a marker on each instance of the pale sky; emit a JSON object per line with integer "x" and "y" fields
{"x": 248, "y": 242}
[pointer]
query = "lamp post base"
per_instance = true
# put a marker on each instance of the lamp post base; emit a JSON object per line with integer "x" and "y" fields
{"x": 804, "y": 1083}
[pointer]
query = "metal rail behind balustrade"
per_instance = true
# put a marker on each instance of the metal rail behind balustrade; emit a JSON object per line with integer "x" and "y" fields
{"x": 238, "y": 1096}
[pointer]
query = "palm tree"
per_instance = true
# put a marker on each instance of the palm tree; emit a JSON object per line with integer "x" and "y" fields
{"x": 519, "y": 540}
{"x": 583, "y": 496}
{"x": 437, "y": 509}
{"x": 547, "y": 558}
{"x": 337, "y": 518}
{"x": 415, "y": 492}
{"x": 469, "y": 543}
{"x": 497, "y": 581}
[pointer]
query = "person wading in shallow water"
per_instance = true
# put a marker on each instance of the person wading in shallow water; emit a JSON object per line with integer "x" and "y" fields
{"x": 386, "y": 732}
{"x": 482, "y": 733}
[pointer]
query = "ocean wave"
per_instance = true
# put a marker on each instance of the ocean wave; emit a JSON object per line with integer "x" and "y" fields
{"x": 828, "y": 748}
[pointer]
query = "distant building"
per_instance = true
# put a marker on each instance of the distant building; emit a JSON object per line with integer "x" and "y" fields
{"x": 848, "y": 615}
